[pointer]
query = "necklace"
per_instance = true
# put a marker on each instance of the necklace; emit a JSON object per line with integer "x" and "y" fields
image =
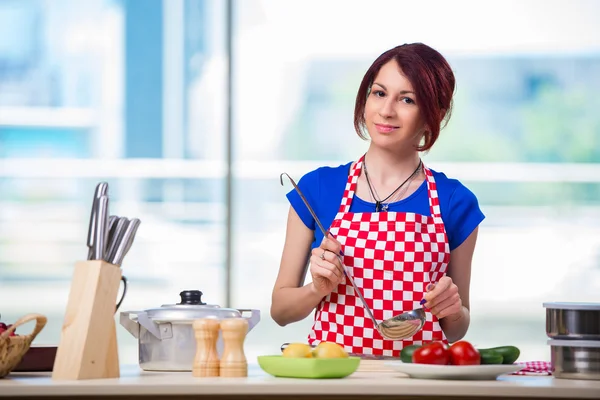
{"x": 379, "y": 204}
{"x": 399, "y": 194}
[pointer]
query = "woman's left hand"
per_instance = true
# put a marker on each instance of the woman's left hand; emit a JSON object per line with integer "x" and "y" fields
{"x": 443, "y": 299}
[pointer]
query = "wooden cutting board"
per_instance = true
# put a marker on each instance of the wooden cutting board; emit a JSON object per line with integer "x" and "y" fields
{"x": 374, "y": 366}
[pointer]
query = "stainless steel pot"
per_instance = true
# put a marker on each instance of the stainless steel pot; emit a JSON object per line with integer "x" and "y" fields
{"x": 165, "y": 334}
{"x": 578, "y": 321}
{"x": 575, "y": 359}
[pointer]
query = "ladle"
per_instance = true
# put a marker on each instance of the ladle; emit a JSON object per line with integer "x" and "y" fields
{"x": 401, "y": 326}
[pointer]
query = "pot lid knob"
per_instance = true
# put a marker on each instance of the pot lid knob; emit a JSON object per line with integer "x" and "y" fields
{"x": 191, "y": 297}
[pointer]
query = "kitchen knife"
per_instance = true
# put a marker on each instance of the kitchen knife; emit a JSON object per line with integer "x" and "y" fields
{"x": 116, "y": 237}
{"x": 112, "y": 226}
{"x": 132, "y": 239}
{"x": 111, "y": 222}
{"x": 101, "y": 231}
{"x": 91, "y": 229}
{"x": 101, "y": 190}
{"x": 126, "y": 242}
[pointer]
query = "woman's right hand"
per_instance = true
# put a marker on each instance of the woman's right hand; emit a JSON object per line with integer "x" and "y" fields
{"x": 325, "y": 266}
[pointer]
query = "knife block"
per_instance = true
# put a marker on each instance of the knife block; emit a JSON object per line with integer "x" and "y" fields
{"x": 88, "y": 343}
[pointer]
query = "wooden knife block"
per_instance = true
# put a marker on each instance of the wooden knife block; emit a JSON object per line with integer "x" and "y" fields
{"x": 88, "y": 343}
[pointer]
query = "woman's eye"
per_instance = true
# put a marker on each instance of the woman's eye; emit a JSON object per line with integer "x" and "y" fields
{"x": 408, "y": 100}
{"x": 378, "y": 93}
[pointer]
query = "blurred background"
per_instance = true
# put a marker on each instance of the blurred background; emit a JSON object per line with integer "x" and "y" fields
{"x": 138, "y": 93}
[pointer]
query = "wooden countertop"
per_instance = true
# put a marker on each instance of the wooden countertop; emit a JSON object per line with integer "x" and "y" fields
{"x": 135, "y": 382}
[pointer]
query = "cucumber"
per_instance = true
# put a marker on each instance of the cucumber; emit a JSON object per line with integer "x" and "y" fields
{"x": 407, "y": 352}
{"x": 490, "y": 356}
{"x": 509, "y": 354}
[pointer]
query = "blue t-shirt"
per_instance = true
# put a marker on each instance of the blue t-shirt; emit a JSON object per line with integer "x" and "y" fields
{"x": 324, "y": 189}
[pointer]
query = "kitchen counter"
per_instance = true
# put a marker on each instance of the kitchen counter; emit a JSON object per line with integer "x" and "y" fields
{"x": 372, "y": 385}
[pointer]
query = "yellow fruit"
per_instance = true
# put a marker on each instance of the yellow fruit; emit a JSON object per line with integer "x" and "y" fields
{"x": 297, "y": 350}
{"x": 329, "y": 350}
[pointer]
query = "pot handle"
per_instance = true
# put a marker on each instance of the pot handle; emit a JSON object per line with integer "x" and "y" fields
{"x": 128, "y": 320}
{"x": 153, "y": 328}
{"x": 132, "y": 320}
{"x": 253, "y": 318}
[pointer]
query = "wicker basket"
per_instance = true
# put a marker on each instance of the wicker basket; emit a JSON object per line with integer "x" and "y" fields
{"x": 13, "y": 348}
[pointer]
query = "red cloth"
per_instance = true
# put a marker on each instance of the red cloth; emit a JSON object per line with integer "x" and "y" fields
{"x": 534, "y": 368}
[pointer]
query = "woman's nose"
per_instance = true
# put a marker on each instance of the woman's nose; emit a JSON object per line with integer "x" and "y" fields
{"x": 387, "y": 109}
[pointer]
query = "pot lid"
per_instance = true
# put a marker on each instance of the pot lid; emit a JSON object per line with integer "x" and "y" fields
{"x": 572, "y": 306}
{"x": 574, "y": 343}
{"x": 190, "y": 308}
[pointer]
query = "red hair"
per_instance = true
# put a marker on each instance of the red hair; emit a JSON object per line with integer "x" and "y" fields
{"x": 432, "y": 80}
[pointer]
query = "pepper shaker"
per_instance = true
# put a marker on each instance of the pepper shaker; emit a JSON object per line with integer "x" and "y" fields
{"x": 206, "y": 360}
{"x": 233, "y": 361}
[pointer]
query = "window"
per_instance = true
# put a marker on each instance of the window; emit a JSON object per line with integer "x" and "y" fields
{"x": 135, "y": 93}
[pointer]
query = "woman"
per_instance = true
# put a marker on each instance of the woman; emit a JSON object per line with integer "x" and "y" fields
{"x": 406, "y": 232}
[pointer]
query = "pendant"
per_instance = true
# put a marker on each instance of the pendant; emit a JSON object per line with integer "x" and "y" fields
{"x": 380, "y": 207}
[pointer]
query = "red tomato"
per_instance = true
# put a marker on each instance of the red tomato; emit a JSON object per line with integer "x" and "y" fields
{"x": 463, "y": 353}
{"x": 432, "y": 353}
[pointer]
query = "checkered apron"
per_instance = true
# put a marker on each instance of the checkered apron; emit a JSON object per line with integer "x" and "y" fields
{"x": 392, "y": 257}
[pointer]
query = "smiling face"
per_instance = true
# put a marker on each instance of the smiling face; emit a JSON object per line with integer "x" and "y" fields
{"x": 392, "y": 115}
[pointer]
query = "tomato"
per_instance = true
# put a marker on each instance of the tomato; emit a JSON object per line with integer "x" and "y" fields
{"x": 432, "y": 353}
{"x": 463, "y": 353}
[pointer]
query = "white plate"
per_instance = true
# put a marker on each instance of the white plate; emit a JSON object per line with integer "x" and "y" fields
{"x": 464, "y": 372}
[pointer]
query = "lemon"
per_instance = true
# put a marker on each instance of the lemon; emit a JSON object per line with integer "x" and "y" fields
{"x": 329, "y": 350}
{"x": 297, "y": 350}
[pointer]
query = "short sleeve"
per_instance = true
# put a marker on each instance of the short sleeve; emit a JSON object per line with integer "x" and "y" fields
{"x": 465, "y": 215}
{"x": 309, "y": 186}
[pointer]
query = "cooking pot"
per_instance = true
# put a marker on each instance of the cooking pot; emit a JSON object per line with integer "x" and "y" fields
{"x": 575, "y": 359}
{"x": 573, "y": 321}
{"x": 165, "y": 335}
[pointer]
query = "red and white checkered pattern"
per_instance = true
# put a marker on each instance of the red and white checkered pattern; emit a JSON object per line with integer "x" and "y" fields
{"x": 392, "y": 257}
{"x": 534, "y": 368}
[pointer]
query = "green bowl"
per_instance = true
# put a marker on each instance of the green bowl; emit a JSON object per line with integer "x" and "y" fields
{"x": 315, "y": 368}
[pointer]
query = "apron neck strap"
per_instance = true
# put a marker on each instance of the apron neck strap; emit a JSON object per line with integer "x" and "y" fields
{"x": 352, "y": 183}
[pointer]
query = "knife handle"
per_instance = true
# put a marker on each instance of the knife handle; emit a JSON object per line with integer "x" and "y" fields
{"x": 101, "y": 224}
{"x": 126, "y": 242}
{"x": 116, "y": 235}
{"x": 101, "y": 190}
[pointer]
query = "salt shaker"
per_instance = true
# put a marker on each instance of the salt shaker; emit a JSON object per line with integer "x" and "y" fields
{"x": 206, "y": 360}
{"x": 233, "y": 361}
